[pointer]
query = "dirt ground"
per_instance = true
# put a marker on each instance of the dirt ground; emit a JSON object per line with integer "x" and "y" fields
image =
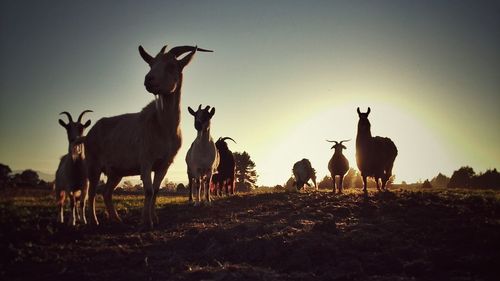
{"x": 399, "y": 235}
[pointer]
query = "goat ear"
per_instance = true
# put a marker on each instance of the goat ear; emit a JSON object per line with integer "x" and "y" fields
{"x": 212, "y": 112}
{"x": 343, "y": 146}
{"x": 87, "y": 124}
{"x": 359, "y": 112}
{"x": 63, "y": 124}
{"x": 191, "y": 111}
{"x": 145, "y": 56}
{"x": 368, "y": 112}
{"x": 187, "y": 59}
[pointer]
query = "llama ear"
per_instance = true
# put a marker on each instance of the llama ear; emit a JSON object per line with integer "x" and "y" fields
{"x": 359, "y": 112}
{"x": 191, "y": 111}
{"x": 63, "y": 124}
{"x": 368, "y": 112}
{"x": 86, "y": 124}
{"x": 145, "y": 56}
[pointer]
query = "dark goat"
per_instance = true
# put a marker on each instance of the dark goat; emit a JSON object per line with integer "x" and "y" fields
{"x": 374, "y": 155}
{"x": 224, "y": 179}
{"x": 338, "y": 165}
{"x": 71, "y": 175}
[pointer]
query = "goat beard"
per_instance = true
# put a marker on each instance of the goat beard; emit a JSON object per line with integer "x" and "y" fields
{"x": 159, "y": 98}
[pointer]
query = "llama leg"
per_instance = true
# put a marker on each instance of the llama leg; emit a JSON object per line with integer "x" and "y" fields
{"x": 111, "y": 183}
{"x": 198, "y": 185}
{"x": 364, "y": 184}
{"x": 378, "y": 184}
{"x": 190, "y": 183}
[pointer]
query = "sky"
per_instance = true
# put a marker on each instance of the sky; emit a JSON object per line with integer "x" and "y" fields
{"x": 284, "y": 77}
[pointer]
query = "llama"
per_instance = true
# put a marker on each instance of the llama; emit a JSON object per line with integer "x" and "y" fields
{"x": 143, "y": 142}
{"x": 374, "y": 155}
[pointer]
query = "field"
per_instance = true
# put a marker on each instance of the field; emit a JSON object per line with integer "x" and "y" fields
{"x": 398, "y": 235}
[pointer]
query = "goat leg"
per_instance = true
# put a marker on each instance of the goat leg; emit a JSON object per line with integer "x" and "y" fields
{"x": 111, "y": 183}
{"x": 148, "y": 197}
{"x": 158, "y": 177}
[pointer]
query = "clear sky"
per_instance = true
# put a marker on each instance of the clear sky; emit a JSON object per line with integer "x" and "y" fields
{"x": 285, "y": 76}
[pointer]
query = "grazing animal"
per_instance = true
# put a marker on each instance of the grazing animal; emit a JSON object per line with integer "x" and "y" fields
{"x": 303, "y": 172}
{"x": 338, "y": 165}
{"x": 224, "y": 179}
{"x": 71, "y": 175}
{"x": 202, "y": 157}
{"x": 374, "y": 155}
{"x": 143, "y": 142}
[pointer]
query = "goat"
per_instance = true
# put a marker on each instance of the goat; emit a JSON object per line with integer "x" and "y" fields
{"x": 71, "y": 175}
{"x": 303, "y": 171}
{"x": 202, "y": 157}
{"x": 338, "y": 165}
{"x": 143, "y": 142}
{"x": 374, "y": 155}
{"x": 224, "y": 179}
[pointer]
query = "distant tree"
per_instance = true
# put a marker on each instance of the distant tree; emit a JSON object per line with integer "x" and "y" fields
{"x": 279, "y": 187}
{"x": 29, "y": 178}
{"x": 350, "y": 178}
{"x": 181, "y": 188}
{"x": 169, "y": 185}
{"x": 427, "y": 184}
{"x": 326, "y": 183}
{"x": 404, "y": 183}
{"x": 461, "y": 178}
{"x": 4, "y": 175}
{"x": 246, "y": 176}
{"x": 488, "y": 179}
{"x": 440, "y": 181}
{"x": 357, "y": 181}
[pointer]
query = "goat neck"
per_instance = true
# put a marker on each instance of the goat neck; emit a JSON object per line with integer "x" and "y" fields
{"x": 168, "y": 109}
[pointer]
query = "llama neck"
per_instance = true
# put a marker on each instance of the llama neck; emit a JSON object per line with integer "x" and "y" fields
{"x": 363, "y": 137}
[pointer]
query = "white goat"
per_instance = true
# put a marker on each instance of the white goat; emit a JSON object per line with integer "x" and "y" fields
{"x": 202, "y": 158}
{"x": 143, "y": 142}
{"x": 338, "y": 165}
{"x": 71, "y": 174}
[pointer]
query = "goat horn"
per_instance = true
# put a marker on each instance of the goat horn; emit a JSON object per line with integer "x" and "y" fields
{"x": 67, "y": 114}
{"x": 81, "y": 115}
{"x": 162, "y": 51}
{"x": 336, "y": 142}
{"x": 344, "y": 141}
{"x": 179, "y": 50}
{"x": 228, "y": 138}
{"x": 199, "y": 107}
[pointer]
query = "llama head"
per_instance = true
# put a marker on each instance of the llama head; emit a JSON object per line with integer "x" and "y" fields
{"x": 165, "y": 74}
{"x": 364, "y": 123}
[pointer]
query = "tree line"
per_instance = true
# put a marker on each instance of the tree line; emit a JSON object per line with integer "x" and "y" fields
{"x": 246, "y": 177}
